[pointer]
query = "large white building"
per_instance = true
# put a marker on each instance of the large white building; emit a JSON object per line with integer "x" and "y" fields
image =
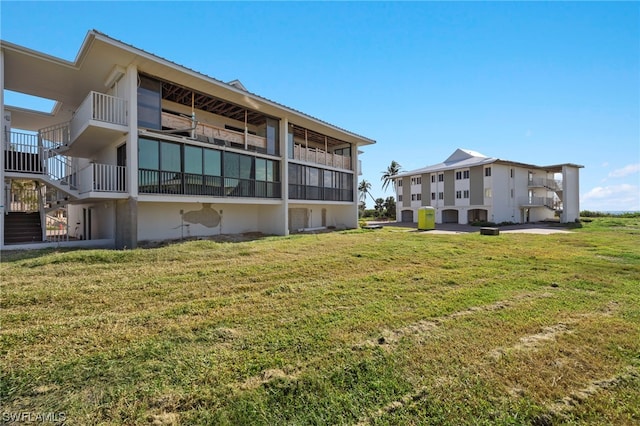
{"x": 470, "y": 187}
{"x": 139, "y": 148}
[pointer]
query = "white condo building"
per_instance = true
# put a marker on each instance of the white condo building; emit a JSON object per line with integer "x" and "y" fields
{"x": 469, "y": 187}
{"x": 139, "y": 148}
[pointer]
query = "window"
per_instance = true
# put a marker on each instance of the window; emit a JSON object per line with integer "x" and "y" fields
{"x": 465, "y": 174}
{"x": 416, "y": 180}
{"x": 212, "y": 162}
{"x": 458, "y": 175}
{"x": 311, "y": 183}
{"x": 399, "y": 197}
{"x": 193, "y": 159}
{"x": 400, "y": 183}
{"x": 433, "y": 195}
{"x": 487, "y": 193}
{"x": 148, "y": 157}
{"x": 175, "y": 168}
{"x": 149, "y": 103}
{"x": 170, "y": 157}
{"x": 413, "y": 197}
{"x": 433, "y": 178}
{"x": 512, "y": 193}
{"x": 487, "y": 171}
{"x": 458, "y": 194}
{"x": 440, "y": 195}
{"x": 419, "y": 197}
{"x": 511, "y": 173}
{"x": 441, "y": 177}
{"x": 465, "y": 193}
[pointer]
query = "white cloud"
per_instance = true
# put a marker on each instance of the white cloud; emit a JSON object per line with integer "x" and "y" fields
{"x": 605, "y": 164}
{"x": 625, "y": 171}
{"x": 624, "y": 197}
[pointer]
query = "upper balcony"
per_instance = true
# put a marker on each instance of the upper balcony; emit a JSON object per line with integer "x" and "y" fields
{"x": 179, "y": 124}
{"x": 99, "y": 121}
{"x": 26, "y": 156}
{"x": 322, "y": 157}
{"x": 552, "y": 184}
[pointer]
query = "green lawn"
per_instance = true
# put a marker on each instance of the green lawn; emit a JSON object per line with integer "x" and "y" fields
{"x": 357, "y": 327}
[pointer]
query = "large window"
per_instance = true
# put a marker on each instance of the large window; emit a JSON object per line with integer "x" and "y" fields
{"x": 174, "y": 168}
{"x": 312, "y": 183}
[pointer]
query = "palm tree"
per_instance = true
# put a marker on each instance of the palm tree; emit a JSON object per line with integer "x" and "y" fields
{"x": 365, "y": 188}
{"x": 387, "y": 176}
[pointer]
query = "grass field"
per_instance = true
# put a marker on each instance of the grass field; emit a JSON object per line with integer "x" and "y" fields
{"x": 355, "y": 327}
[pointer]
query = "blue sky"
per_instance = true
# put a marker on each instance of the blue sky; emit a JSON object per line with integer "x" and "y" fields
{"x": 540, "y": 83}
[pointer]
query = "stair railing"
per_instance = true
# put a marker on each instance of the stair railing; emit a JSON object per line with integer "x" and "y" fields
{"x": 56, "y": 229}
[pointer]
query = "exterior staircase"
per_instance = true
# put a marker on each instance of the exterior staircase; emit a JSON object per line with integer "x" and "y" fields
{"x": 22, "y": 227}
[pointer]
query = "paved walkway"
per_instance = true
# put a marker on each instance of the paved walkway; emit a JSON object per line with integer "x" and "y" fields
{"x": 454, "y": 228}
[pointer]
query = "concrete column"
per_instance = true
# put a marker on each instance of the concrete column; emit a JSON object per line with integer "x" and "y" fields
{"x": 284, "y": 176}
{"x": 131, "y": 94}
{"x": 570, "y": 194}
{"x": 355, "y": 166}
{"x": 126, "y": 224}
{"x": 127, "y": 210}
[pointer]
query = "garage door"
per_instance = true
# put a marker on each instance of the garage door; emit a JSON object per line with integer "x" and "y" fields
{"x": 450, "y": 216}
{"x": 407, "y": 216}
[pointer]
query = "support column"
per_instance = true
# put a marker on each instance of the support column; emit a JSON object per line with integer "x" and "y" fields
{"x": 127, "y": 210}
{"x": 284, "y": 174}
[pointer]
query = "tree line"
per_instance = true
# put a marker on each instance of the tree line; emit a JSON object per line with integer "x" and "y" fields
{"x": 382, "y": 208}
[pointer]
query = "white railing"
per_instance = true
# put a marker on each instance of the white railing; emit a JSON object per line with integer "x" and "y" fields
{"x": 56, "y": 229}
{"x": 99, "y": 107}
{"x": 540, "y": 201}
{"x": 103, "y": 178}
{"x": 22, "y": 153}
{"x": 546, "y": 183}
{"x": 55, "y": 136}
{"x": 59, "y": 167}
{"x": 320, "y": 156}
{"x": 23, "y": 199}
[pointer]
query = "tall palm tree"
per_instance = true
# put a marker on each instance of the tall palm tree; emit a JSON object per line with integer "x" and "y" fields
{"x": 365, "y": 188}
{"x": 387, "y": 175}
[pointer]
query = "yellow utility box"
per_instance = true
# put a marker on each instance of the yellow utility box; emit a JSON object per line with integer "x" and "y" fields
{"x": 426, "y": 218}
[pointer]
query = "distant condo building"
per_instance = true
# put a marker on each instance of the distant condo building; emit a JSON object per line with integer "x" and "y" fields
{"x": 469, "y": 187}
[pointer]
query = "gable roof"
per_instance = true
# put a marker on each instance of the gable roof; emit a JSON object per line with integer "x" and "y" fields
{"x": 465, "y": 158}
{"x": 461, "y": 158}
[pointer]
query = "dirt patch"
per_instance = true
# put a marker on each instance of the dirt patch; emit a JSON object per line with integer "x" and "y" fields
{"x": 406, "y": 400}
{"x": 533, "y": 341}
{"x": 265, "y": 377}
{"x": 566, "y": 404}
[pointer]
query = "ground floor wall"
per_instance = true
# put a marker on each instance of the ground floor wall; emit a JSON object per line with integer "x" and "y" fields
{"x": 166, "y": 221}
{"x": 303, "y": 216}
{"x": 92, "y": 221}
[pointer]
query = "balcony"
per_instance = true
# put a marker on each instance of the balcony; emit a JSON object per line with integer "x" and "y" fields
{"x": 322, "y": 157}
{"x": 549, "y": 202}
{"x": 553, "y": 184}
{"x": 178, "y": 124}
{"x": 28, "y": 157}
{"x": 101, "y": 180}
{"x": 99, "y": 121}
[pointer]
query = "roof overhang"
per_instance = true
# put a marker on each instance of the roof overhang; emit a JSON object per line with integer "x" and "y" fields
{"x": 69, "y": 82}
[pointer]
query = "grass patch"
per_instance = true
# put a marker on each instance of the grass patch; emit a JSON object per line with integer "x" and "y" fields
{"x": 384, "y": 327}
